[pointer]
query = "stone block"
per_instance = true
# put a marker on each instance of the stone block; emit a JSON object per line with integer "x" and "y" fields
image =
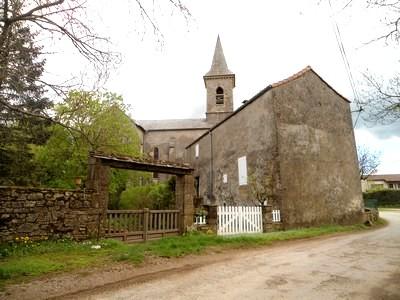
{"x": 35, "y": 196}
{"x": 30, "y": 203}
{"x": 27, "y": 228}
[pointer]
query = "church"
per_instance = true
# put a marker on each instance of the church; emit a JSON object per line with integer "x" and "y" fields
{"x": 290, "y": 146}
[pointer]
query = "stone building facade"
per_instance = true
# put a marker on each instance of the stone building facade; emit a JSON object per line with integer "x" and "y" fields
{"x": 294, "y": 136}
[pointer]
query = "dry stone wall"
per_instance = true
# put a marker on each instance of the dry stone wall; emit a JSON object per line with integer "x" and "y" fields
{"x": 49, "y": 213}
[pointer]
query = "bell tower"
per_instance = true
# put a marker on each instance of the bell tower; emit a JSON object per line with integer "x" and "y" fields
{"x": 219, "y": 82}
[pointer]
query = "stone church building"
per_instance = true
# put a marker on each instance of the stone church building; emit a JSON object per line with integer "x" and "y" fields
{"x": 291, "y": 146}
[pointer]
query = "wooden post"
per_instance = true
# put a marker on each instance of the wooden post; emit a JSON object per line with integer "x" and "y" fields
{"x": 145, "y": 223}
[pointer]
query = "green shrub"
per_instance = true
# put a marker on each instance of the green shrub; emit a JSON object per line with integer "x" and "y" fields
{"x": 154, "y": 196}
{"x": 384, "y": 197}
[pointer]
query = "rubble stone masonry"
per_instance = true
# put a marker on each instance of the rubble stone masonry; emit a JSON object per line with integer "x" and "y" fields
{"x": 49, "y": 213}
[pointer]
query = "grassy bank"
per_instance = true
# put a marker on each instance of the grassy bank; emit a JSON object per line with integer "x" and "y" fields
{"x": 24, "y": 259}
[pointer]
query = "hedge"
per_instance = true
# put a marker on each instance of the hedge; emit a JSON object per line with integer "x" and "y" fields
{"x": 384, "y": 197}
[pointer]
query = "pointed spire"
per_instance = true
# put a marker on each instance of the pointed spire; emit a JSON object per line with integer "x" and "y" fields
{"x": 219, "y": 66}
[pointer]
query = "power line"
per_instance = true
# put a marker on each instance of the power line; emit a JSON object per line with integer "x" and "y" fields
{"x": 346, "y": 62}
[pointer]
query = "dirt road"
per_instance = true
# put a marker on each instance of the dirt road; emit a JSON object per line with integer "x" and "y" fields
{"x": 356, "y": 266}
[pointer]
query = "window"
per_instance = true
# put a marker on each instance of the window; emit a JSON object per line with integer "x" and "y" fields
{"x": 390, "y": 185}
{"x": 225, "y": 178}
{"x": 242, "y": 168}
{"x": 220, "y": 95}
{"x": 197, "y": 150}
{"x": 156, "y": 156}
{"x": 197, "y": 186}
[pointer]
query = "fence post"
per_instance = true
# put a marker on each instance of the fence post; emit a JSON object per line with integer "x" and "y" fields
{"x": 267, "y": 217}
{"x": 146, "y": 212}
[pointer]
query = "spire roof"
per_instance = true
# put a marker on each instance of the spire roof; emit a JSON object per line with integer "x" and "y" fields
{"x": 219, "y": 66}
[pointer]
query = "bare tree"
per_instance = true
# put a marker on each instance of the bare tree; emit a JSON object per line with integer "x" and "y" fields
{"x": 382, "y": 99}
{"x": 60, "y": 19}
{"x": 392, "y": 19}
{"x": 368, "y": 161}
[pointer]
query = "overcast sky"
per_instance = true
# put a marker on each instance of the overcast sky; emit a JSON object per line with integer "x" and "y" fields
{"x": 263, "y": 42}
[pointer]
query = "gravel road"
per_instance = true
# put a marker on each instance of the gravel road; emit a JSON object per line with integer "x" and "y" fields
{"x": 355, "y": 266}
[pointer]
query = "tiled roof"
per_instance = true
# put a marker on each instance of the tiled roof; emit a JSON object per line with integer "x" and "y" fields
{"x": 175, "y": 124}
{"x": 293, "y": 77}
{"x": 384, "y": 177}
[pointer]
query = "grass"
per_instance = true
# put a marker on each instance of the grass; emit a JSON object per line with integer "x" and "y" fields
{"x": 21, "y": 261}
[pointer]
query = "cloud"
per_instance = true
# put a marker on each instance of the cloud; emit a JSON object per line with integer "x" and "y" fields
{"x": 380, "y": 131}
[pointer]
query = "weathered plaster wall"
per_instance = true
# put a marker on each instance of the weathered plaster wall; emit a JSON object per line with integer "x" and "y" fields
{"x": 318, "y": 167}
{"x": 249, "y": 133}
{"x": 47, "y": 213}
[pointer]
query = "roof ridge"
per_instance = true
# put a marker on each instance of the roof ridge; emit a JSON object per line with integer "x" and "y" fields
{"x": 293, "y": 77}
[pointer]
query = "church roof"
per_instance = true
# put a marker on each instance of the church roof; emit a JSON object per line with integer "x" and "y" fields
{"x": 219, "y": 66}
{"x": 174, "y": 124}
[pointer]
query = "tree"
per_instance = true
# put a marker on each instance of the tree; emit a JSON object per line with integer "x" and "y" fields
{"x": 368, "y": 162}
{"x": 382, "y": 99}
{"x": 24, "y": 110}
{"x": 20, "y": 72}
{"x": 94, "y": 122}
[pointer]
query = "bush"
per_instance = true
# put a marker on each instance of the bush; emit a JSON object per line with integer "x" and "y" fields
{"x": 384, "y": 197}
{"x": 154, "y": 196}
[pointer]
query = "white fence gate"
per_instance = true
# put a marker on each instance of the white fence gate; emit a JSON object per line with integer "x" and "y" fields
{"x": 239, "y": 219}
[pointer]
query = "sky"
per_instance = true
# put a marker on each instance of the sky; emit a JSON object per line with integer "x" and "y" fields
{"x": 263, "y": 41}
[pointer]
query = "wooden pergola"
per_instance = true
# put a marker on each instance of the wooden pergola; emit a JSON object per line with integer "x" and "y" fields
{"x": 98, "y": 179}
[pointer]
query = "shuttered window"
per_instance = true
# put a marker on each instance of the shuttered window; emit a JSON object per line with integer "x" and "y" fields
{"x": 242, "y": 168}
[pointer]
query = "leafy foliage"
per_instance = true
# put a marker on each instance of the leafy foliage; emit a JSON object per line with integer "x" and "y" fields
{"x": 21, "y": 97}
{"x": 95, "y": 122}
{"x": 153, "y": 196}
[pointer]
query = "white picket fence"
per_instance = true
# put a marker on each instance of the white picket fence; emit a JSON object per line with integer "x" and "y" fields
{"x": 239, "y": 219}
{"x": 200, "y": 220}
{"x": 276, "y": 215}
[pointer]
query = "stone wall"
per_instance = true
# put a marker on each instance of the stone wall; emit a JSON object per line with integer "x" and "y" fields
{"x": 318, "y": 168}
{"x": 49, "y": 213}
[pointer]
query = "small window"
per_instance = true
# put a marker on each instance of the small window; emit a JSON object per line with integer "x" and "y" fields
{"x": 220, "y": 95}
{"x": 197, "y": 186}
{"x": 242, "y": 168}
{"x": 390, "y": 185}
{"x": 156, "y": 156}
{"x": 197, "y": 150}
{"x": 225, "y": 178}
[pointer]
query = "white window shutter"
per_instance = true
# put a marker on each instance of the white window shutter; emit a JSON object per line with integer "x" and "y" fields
{"x": 242, "y": 167}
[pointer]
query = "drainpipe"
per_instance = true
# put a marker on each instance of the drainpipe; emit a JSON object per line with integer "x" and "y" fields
{"x": 211, "y": 168}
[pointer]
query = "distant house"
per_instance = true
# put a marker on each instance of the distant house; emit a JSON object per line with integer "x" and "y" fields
{"x": 384, "y": 181}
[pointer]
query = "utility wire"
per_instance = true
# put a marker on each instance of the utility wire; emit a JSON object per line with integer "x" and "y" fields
{"x": 346, "y": 62}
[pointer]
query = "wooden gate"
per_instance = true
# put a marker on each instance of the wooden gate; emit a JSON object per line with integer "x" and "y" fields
{"x": 239, "y": 219}
{"x": 142, "y": 225}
